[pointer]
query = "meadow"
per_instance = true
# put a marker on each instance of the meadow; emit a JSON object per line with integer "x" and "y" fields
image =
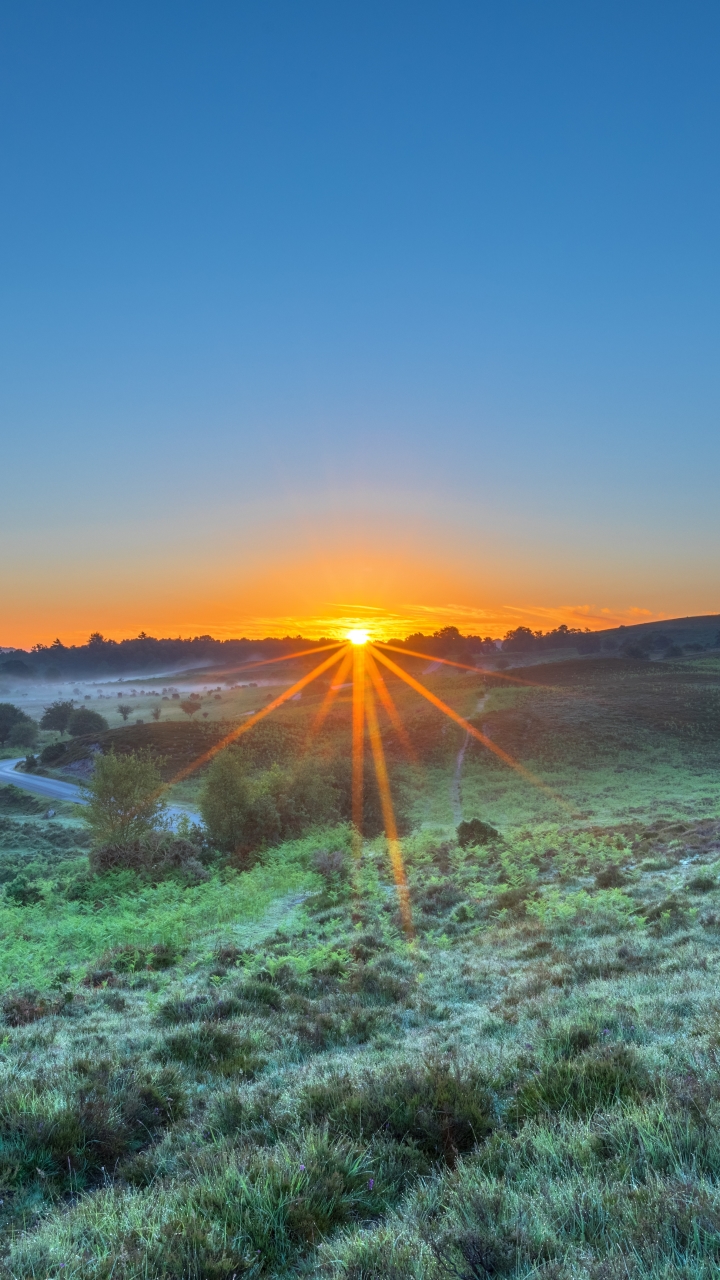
{"x": 256, "y": 1071}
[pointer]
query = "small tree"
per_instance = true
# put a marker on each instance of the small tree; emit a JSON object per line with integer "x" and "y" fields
{"x": 156, "y": 713}
{"x": 84, "y": 720}
{"x": 23, "y": 733}
{"x": 124, "y": 710}
{"x": 190, "y": 706}
{"x": 124, "y": 798}
{"x": 57, "y": 715}
{"x": 9, "y": 715}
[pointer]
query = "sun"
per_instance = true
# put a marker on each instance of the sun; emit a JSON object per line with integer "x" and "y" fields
{"x": 357, "y": 637}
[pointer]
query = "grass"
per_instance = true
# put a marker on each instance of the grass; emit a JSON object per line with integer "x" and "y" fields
{"x": 261, "y": 1075}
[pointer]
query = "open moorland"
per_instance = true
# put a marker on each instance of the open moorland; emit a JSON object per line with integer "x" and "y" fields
{"x": 224, "y": 1056}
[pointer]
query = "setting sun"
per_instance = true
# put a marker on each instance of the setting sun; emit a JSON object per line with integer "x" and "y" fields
{"x": 357, "y": 637}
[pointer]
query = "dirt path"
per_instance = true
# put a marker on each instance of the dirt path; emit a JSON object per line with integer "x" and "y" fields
{"x": 456, "y": 790}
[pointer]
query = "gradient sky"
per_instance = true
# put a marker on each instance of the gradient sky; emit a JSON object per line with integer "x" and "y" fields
{"x": 402, "y": 311}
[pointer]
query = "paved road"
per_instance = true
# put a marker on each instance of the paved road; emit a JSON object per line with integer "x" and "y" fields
{"x": 54, "y": 789}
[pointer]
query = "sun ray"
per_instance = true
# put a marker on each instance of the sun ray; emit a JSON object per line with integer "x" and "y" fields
{"x": 358, "y": 745}
{"x": 386, "y": 699}
{"x": 284, "y": 657}
{"x": 240, "y": 729}
{"x": 470, "y": 728}
{"x": 464, "y": 666}
{"x": 333, "y": 691}
{"x": 391, "y": 833}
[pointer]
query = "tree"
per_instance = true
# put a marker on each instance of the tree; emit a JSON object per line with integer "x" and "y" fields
{"x": 124, "y": 798}
{"x": 156, "y": 712}
{"x": 57, "y": 715}
{"x": 124, "y": 710}
{"x": 84, "y": 720}
{"x": 245, "y": 812}
{"x": 23, "y": 733}
{"x": 9, "y": 715}
{"x": 190, "y": 706}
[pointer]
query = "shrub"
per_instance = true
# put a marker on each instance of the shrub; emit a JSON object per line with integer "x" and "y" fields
{"x": 474, "y": 831}
{"x": 14, "y": 800}
{"x": 155, "y": 857}
{"x": 85, "y": 720}
{"x": 197, "y": 1008}
{"x": 22, "y": 1007}
{"x": 61, "y": 1139}
{"x": 438, "y": 1106}
{"x": 244, "y": 813}
{"x": 52, "y": 753}
{"x": 610, "y": 878}
{"x": 210, "y": 1048}
{"x": 22, "y": 891}
{"x": 124, "y": 798}
{"x": 702, "y": 883}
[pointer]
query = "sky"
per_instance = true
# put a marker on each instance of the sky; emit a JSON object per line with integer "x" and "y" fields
{"x": 398, "y": 313}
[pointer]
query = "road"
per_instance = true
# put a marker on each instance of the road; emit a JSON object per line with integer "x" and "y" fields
{"x": 53, "y": 789}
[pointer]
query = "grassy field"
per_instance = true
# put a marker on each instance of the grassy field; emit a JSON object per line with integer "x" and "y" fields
{"x": 263, "y": 1075}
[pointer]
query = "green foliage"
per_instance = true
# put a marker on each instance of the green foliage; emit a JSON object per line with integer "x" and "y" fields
{"x": 155, "y": 856}
{"x": 245, "y": 812}
{"x": 526, "y": 1087}
{"x": 475, "y": 831}
{"x": 10, "y": 715}
{"x": 580, "y": 1085}
{"x": 440, "y": 1107}
{"x": 24, "y": 733}
{"x": 57, "y": 715}
{"x": 60, "y": 1137}
{"x": 14, "y": 800}
{"x": 124, "y": 798}
{"x": 211, "y": 1048}
{"x": 85, "y": 720}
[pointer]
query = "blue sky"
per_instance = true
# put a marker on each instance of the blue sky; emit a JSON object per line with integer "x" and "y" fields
{"x": 387, "y": 305}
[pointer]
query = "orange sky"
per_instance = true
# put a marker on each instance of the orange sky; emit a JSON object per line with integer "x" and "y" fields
{"x": 390, "y": 599}
{"x": 273, "y": 570}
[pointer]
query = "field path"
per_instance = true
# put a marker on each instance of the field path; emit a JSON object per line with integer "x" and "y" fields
{"x": 456, "y": 789}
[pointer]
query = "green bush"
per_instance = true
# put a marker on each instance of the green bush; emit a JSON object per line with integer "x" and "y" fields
{"x": 244, "y": 812}
{"x": 85, "y": 720}
{"x": 438, "y": 1106}
{"x": 211, "y": 1048}
{"x": 476, "y": 832}
{"x": 124, "y": 799}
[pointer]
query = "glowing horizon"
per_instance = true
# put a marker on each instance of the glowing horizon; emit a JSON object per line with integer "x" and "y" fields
{"x": 377, "y": 624}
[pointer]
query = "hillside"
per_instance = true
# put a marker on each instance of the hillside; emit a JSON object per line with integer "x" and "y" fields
{"x": 260, "y": 1074}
